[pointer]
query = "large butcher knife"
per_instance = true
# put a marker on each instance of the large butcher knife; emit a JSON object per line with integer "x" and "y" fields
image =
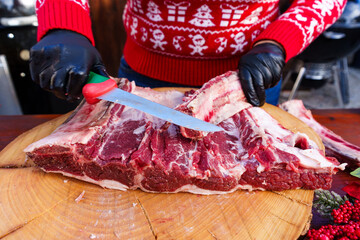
{"x": 100, "y": 87}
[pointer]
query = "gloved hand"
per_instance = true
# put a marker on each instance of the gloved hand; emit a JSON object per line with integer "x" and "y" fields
{"x": 259, "y": 69}
{"x": 61, "y": 62}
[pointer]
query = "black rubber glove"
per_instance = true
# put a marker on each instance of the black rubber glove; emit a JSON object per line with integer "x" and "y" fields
{"x": 259, "y": 69}
{"x": 61, "y": 62}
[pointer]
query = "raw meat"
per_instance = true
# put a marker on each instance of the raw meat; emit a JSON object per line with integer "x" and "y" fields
{"x": 214, "y": 103}
{"x": 335, "y": 145}
{"x": 122, "y": 148}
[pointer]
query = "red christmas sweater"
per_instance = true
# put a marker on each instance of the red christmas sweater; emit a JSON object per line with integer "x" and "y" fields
{"x": 191, "y": 41}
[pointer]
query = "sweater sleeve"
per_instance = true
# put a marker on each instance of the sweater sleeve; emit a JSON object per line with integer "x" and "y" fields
{"x": 303, "y": 21}
{"x": 72, "y": 15}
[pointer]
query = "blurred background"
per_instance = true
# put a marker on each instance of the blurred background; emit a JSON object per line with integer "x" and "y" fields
{"x": 18, "y": 26}
{"x": 325, "y": 75}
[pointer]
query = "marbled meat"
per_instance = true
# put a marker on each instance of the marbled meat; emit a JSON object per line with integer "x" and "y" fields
{"x": 118, "y": 147}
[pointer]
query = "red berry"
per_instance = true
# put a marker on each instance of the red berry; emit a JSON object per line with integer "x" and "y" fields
{"x": 348, "y": 215}
{"x": 323, "y": 237}
{"x": 357, "y": 232}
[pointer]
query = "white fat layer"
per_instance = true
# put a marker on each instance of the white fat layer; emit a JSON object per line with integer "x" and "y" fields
{"x": 223, "y": 98}
{"x": 229, "y": 110}
{"x": 297, "y": 108}
{"x": 111, "y": 184}
{"x": 250, "y": 188}
{"x": 196, "y": 190}
{"x": 168, "y": 98}
{"x": 268, "y": 124}
{"x": 138, "y": 179}
{"x": 314, "y": 158}
{"x": 64, "y": 139}
{"x": 103, "y": 183}
{"x": 309, "y": 158}
{"x": 329, "y": 142}
{"x": 192, "y": 168}
{"x": 237, "y": 171}
{"x": 260, "y": 168}
{"x": 172, "y": 130}
{"x": 79, "y": 129}
{"x": 296, "y": 136}
{"x": 202, "y": 104}
{"x": 342, "y": 166}
{"x": 350, "y": 152}
{"x": 139, "y": 130}
{"x": 232, "y": 130}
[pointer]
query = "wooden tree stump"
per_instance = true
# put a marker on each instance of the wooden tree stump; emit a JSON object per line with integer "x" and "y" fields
{"x": 38, "y": 205}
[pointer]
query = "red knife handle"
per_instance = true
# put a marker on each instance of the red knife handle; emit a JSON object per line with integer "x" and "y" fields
{"x": 96, "y": 86}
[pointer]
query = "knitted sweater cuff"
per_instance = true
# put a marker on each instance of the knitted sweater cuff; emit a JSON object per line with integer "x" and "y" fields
{"x": 287, "y": 34}
{"x": 63, "y": 15}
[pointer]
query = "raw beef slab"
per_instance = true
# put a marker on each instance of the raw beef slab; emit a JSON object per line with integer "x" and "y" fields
{"x": 335, "y": 145}
{"x": 118, "y": 147}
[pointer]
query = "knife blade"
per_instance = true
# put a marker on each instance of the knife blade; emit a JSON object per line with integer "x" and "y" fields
{"x": 99, "y": 87}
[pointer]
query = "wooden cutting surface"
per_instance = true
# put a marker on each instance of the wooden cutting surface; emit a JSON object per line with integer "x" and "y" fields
{"x": 38, "y": 205}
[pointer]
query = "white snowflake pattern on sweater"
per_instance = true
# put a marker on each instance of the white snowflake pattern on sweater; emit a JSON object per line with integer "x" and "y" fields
{"x": 203, "y": 17}
{"x": 210, "y": 29}
{"x": 158, "y": 39}
{"x": 134, "y": 28}
{"x": 177, "y": 11}
{"x": 240, "y": 42}
{"x": 198, "y": 44}
{"x": 154, "y": 14}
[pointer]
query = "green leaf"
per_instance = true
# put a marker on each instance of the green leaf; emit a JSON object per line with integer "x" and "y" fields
{"x": 356, "y": 172}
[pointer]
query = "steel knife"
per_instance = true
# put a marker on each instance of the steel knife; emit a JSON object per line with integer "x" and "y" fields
{"x": 100, "y": 87}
